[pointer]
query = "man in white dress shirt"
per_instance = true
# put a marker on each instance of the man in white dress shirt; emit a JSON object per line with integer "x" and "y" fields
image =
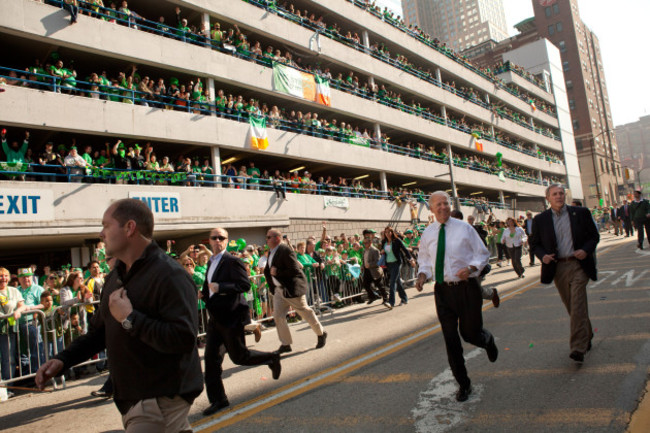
{"x": 453, "y": 255}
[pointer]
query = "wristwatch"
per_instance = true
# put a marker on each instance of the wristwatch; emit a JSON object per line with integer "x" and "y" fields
{"x": 127, "y": 323}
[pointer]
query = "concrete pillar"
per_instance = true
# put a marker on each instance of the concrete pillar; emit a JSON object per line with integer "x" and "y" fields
{"x": 438, "y": 76}
{"x": 206, "y": 22}
{"x": 454, "y": 192}
{"x": 502, "y": 198}
{"x": 216, "y": 164}
{"x": 378, "y": 134}
{"x": 443, "y": 112}
{"x": 487, "y": 98}
{"x": 492, "y": 130}
{"x": 365, "y": 38}
{"x": 382, "y": 181}
{"x": 371, "y": 81}
{"x": 211, "y": 92}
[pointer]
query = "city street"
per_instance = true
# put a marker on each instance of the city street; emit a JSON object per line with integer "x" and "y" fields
{"x": 387, "y": 371}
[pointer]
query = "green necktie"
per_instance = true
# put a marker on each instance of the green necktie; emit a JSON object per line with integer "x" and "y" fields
{"x": 440, "y": 256}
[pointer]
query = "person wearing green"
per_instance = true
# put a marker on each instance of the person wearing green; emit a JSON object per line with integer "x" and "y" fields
{"x": 307, "y": 261}
{"x": 332, "y": 272}
{"x": 14, "y": 153}
{"x": 501, "y": 249}
{"x": 254, "y": 176}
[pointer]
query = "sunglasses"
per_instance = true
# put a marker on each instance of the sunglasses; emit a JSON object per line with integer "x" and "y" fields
{"x": 272, "y": 236}
{"x": 221, "y": 238}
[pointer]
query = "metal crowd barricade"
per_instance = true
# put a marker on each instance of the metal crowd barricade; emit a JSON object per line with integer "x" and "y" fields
{"x": 22, "y": 348}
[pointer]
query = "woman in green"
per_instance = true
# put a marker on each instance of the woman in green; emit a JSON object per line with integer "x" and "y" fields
{"x": 333, "y": 272}
{"x": 198, "y": 278}
{"x": 502, "y": 251}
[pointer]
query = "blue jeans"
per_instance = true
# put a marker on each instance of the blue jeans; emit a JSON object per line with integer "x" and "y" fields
{"x": 8, "y": 355}
{"x": 29, "y": 347}
{"x": 395, "y": 283}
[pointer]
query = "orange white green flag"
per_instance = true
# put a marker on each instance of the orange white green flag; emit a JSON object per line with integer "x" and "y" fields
{"x": 323, "y": 91}
{"x": 259, "y": 138}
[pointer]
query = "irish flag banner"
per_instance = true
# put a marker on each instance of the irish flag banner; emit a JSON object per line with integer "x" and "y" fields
{"x": 323, "y": 91}
{"x": 300, "y": 84}
{"x": 259, "y": 139}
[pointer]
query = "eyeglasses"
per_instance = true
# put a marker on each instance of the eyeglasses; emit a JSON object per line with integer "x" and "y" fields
{"x": 272, "y": 236}
{"x": 221, "y": 238}
{"x": 51, "y": 278}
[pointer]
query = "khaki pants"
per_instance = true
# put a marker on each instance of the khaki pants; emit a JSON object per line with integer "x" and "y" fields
{"x": 281, "y": 307}
{"x": 158, "y": 415}
{"x": 571, "y": 283}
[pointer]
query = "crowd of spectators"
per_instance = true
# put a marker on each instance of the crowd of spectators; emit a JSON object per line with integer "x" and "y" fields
{"x": 237, "y": 43}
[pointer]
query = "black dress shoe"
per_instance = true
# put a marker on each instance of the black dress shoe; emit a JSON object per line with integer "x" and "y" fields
{"x": 275, "y": 366}
{"x": 495, "y": 298}
{"x": 492, "y": 351}
{"x": 577, "y": 356}
{"x": 101, "y": 393}
{"x": 285, "y": 348}
{"x": 371, "y": 300}
{"x": 463, "y": 393}
{"x": 321, "y": 340}
{"x": 216, "y": 407}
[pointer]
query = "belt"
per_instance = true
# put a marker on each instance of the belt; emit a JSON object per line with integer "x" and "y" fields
{"x": 566, "y": 259}
{"x": 453, "y": 283}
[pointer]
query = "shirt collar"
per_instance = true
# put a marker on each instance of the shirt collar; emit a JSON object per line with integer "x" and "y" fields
{"x": 561, "y": 212}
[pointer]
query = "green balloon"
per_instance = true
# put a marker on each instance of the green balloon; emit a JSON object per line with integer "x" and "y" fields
{"x": 241, "y": 244}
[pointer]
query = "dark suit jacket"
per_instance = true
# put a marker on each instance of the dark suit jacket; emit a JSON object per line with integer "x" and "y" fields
{"x": 621, "y": 213}
{"x": 399, "y": 250}
{"x": 524, "y": 225}
{"x": 289, "y": 273}
{"x": 583, "y": 231}
{"x": 614, "y": 213}
{"x": 228, "y": 306}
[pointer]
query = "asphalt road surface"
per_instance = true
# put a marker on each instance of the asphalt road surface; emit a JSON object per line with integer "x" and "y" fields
{"x": 387, "y": 371}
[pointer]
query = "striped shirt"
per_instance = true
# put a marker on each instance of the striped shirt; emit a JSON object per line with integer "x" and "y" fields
{"x": 563, "y": 235}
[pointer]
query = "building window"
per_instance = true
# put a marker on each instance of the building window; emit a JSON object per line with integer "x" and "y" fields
{"x": 556, "y": 9}
{"x": 551, "y": 29}
{"x": 547, "y": 11}
{"x": 602, "y": 166}
{"x": 565, "y": 66}
{"x": 569, "y": 84}
{"x": 558, "y": 27}
{"x": 576, "y": 124}
{"x": 562, "y": 45}
{"x": 572, "y": 104}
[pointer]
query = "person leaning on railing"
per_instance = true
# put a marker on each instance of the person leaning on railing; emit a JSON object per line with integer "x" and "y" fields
{"x": 11, "y": 307}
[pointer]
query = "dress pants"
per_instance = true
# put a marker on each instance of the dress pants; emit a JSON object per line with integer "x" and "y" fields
{"x": 158, "y": 415}
{"x": 281, "y": 306}
{"x": 571, "y": 283}
{"x": 235, "y": 343}
{"x": 459, "y": 309}
{"x": 368, "y": 281}
{"x": 640, "y": 226}
{"x": 515, "y": 256}
{"x": 627, "y": 224}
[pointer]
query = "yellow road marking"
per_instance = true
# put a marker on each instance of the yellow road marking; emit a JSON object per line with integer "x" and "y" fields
{"x": 251, "y": 407}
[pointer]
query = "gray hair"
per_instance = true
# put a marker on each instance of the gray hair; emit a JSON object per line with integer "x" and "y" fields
{"x": 554, "y": 185}
{"x": 442, "y": 194}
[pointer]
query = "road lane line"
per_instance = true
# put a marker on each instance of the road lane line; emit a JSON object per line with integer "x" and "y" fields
{"x": 245, "y": 410}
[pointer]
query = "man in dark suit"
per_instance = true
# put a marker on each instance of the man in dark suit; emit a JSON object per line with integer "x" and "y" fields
{"x": 288, "y": 285}
{"x": 564, "y": 238}
{"x": 528, "y": 228}
{"x": 640, "y": 214}
{"x": 226, "y": 281}
{"x": 614, "y": 218}
{"x": 625, "y": 214}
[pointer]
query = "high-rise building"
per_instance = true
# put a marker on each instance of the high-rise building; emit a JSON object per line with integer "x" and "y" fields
{"x": 559, "y": 22}
{"x": 458, "y": 23}
{"x": 634, "y": 145}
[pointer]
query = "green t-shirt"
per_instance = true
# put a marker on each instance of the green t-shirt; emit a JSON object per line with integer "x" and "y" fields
{"x": 306, "y": 261}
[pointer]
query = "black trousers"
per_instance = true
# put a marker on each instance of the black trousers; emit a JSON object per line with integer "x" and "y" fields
{"x": 627, "y": 225}
{"x": 368, "y": 281}
{"x": 234, "y": 341}
{"x": 639, "y": 230}
{"x": 459, "y": 309}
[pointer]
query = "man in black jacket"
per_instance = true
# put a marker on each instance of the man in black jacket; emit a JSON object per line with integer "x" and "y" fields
{"x": 625, "y": 214}
{"x": 148, "y": 321}
{"x": 640, "y": 214}
{"x": 288, "y": 285}
{"x": 226, "y": 282}
{"x": 564, "y": 238}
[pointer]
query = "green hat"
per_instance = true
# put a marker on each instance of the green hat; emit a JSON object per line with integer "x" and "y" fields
{"x": 408, "y": 231}
{"x": 137, "y": 146}
{"x": 25, "y": 272}
{"x": 121, "y": 146}
{"x": 369, "y": 231}
{"x": 60, "y": 147}
{"x": 174, "y": 81}
{"x": 73, "y": 147}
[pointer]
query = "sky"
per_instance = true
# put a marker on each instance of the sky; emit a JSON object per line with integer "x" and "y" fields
{"x": 624, "y": 42}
